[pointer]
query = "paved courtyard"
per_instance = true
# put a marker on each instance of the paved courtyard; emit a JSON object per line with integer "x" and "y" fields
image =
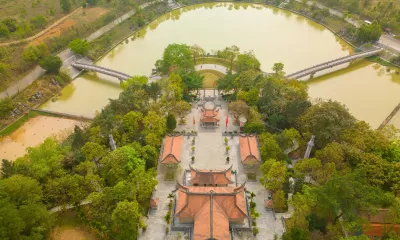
{"x": 210, "y": 153}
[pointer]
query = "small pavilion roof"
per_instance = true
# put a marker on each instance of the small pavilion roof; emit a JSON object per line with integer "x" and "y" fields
{"x": 172, "y": 149}
{"x": 379, "y": 223}
{"x": 154, "y": 202}
{"x": 211, "y": 177}
{"x": 249, "y": 149}
{"x": 209, "y": 115}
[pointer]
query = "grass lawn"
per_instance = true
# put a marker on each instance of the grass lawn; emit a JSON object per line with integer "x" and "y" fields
{"x": 210, "y": 77}
{"x": 69, "y": 227}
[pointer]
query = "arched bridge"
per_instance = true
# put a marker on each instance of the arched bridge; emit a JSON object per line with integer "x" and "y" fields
{"x": 113, "y": 73}
{"x": 312, "y": 70}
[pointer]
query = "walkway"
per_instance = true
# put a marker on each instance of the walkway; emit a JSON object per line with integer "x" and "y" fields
{"x": 107, "y": 71}
{"x": 312, "y": 70}
{"x": 215, "y": 67}
{"x": 66, "y": 56}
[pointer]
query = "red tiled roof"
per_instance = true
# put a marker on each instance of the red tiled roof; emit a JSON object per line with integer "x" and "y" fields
{"x": 211, "y": 209}
{"x": 210, "y": 177}
{"x": 269, "y": 203}
{"x": 379, "y": 230}
{"x": 249, "y": 152}
{"x": 209, "y": 115}
{"x": 154, "y": 202}
{"x": 172, "y": 149}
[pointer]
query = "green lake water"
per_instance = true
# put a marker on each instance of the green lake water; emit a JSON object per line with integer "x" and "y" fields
{"x": 274, "y": 35}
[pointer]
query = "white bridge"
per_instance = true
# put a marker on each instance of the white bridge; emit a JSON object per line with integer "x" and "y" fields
{"x": 312, "y": 70}
{"x": 107, "y": 71}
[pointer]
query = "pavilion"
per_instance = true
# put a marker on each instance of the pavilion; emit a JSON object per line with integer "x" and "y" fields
{"x": 249, "y": 153}
{"x": 172, "y": 150}
{"x": 217, "y": 178}
{"x": 209, "y": 115}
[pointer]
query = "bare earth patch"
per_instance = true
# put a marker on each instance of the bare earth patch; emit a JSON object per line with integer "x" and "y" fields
{"x": 71, "y": 233}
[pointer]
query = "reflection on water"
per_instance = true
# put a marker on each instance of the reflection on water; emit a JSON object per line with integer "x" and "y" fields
{"x": 34, "y": 132}
{"x": 367, "y": 89}
{"x": 274, "y": 35}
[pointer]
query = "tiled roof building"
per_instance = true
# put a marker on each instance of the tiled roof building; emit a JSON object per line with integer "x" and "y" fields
{"x": 379, "y": 224}
{"x": 172, "y": 149}
{"x": 211, "y": 177}
{"x": 249, "y": 152}
{"x": 211, "y": 210}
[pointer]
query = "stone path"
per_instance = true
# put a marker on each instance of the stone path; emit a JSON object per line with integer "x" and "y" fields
{"x": 216, "y": 67}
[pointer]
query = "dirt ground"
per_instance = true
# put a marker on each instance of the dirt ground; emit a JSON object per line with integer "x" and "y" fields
{"x": 71, "y": 233}
{"x": 34, "y": 132}
{"x": 80, "y": 16}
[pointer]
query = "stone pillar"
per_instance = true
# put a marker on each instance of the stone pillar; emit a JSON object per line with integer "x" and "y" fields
{"x": 310, "y": 145}
{"x": 113, "y": 145}
{"x": 204, "y": 92}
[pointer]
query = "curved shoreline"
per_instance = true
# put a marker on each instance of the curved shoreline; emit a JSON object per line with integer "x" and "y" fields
{"x": 216, "y": 2}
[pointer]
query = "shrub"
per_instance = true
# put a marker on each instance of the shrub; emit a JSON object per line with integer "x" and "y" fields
{"x": 171, "y": 122}
{"x": 226, "y": 140}
{"x": 193, "y": 148}
{"x": 255, "y": 231}
{"x": 79, "y": 46}
{"x": 251, "y": 176}
{"x": 227, "y": 148}
{"x": 253, "y": 205}
{"x": 167, "y": 217}
{"x": 6, "y": 106}
{"x": 51, "y": 64}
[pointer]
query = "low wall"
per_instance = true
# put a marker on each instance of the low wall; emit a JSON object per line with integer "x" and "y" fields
{"x": 64, "y": 115}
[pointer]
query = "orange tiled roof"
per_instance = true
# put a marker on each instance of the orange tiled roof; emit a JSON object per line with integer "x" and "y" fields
{"x": 269, "y": 203}
{"x": 380, "y": 223}
{"x": 209, "y": 115}
{"x": 172, "y": 149}
{"x": 248, "y": 149}
{"x": 211, "y": 209}
{"x": 379, "y": 230}
{"x": 154, "y": 202}
{"x": 210, "y": 177}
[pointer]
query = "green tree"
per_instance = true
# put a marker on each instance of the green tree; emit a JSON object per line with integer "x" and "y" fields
{"x": 279, "y": 201}
{"x": 182, "y": 108}
{"x": 154, "y": 90}
{"x": 137, "y": 81}
{"x": 11, "y": 224}
{"x": 4, "y": 31}
{"x": 33, "y": 54}
{"x": 69, "y": 189}
{"x": 347, "y": 196}
{"x": 171, "y": 122}
{"x": 254, "y": 124}
{"x": 42, "y": 162}
{"x": 51, "y": 64}
{"x": 150, "y": 156}
{"x": 21, "y": 190}
{"x": 237, "y": 109}
{"x": 144, "y": 182}
{"x": 65, "y": 5}
{"x": 117, "y": 165}
{"x": 369, "y": 32}
{"x": 332, "y": 152}
{"x": 132, "y": 124}
{"x": 79, "y": 46}
{"x": 176, "y": 57}
{"x": 93, "y": 151}
{"x": 39, "y": 21}
{"x": 125, "y": 220}
{"x": 269, "y": 148}
{"x": 278, "y": 69}
{"x": 154, "y": 123}
{"x": 7, "y": 168}
{"x": 197, "y": 51}
{"x": 327, "y": 120}
{"x": 273, "y": 174}
{"x": 247, "y": 61}
{"x": 6, "y": 106}
{"x": 230, "y": 54}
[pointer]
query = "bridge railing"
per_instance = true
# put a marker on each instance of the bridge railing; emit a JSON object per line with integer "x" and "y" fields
{"x": 333, "y": 63}
{"x": 103, "y": 70}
